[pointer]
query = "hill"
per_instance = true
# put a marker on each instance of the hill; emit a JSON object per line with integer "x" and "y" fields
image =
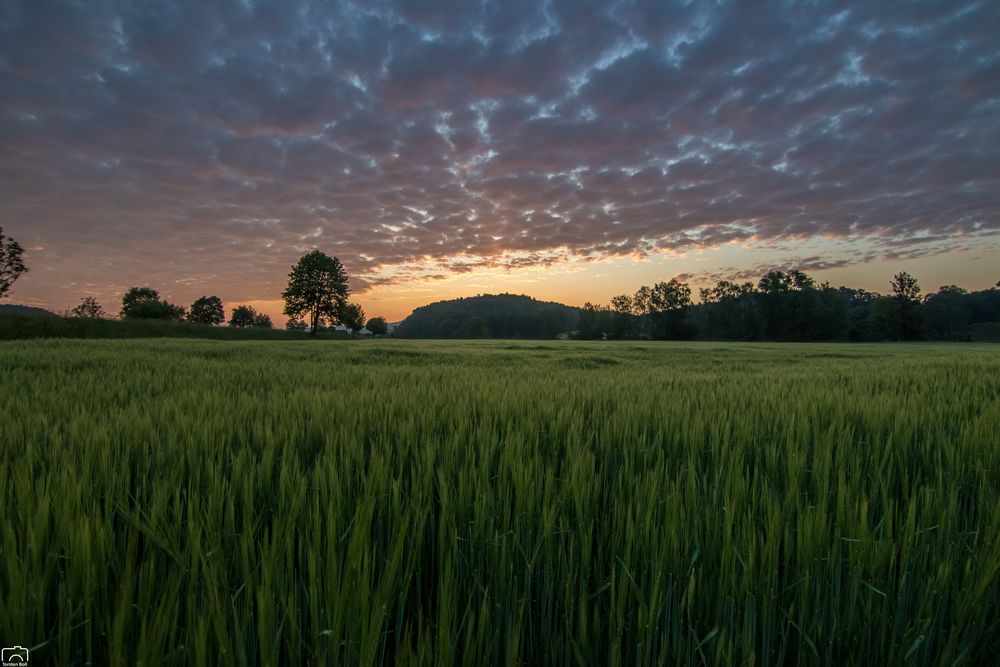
{"x": 490, "y": 316}
{"x": 11, "y": 309}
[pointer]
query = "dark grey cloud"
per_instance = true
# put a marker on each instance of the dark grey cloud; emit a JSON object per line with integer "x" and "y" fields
{"x": 219, "y": 140}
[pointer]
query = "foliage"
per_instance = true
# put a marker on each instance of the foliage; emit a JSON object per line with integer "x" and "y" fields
{"x": 947, "y": 313}
{"x": 668, "y": 304}
{"x": 907, "y": 311}
{"x": 905, "y": 287}
{"x": 791, "y": 306}
{"x": 14, "y": 326}
{"x": 594, "y": 323}
{"x": 317, "y": 290}
{"x": 352, "y": 316}
{"x": 89, "y": 308}
{"x": 295, "y": 324}
{"x": 475, "y": 327}
{"x": 730, "y": 310}
{"x": 669, "y": 296}
{"x": 207, "y": 310}
{"x": 134, "y": 296}
{"x": 12, "y": 264}
{"x": 377, "y": 326}
{"x": 243, "y": 316}
{"x": 154, "y": 309}
{"x": 144, "y": 303}
{"x": 484, "y": 503}
{"x": 623, "y": 323}
{"x": 490, "y": 315}
{"x": 247, "y": 316}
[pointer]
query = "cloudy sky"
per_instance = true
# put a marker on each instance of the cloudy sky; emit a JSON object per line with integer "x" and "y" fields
{"x": 565, "y": 149}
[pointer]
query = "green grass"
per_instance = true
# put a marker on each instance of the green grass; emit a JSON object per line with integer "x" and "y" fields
{"x": 171, "y": 502}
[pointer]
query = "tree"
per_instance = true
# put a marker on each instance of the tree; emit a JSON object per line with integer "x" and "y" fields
{"x": 154, "y": 309}
{"x": 668, "y": 303}
{"x": 145, "y": 303}
{"x": 352, "y": 316}
{"x": 905, "y": 287}
{"x": 317, "y": 289}
{"x": 947, "y": 313}
{"x": 800, "y": 280}
{"x": 775, "y": 282}
{"x": 262, "y": 320}
{"x": 377, "y": 326}
{"x": 640, "y": 308}
{"x": 207, "y": 310}
{"x": 908, "y": 313}
{"x": 553, "y": 322}
{"x": 669, "y": 296}
{"x": 622, "y": 304}
{"x": 830, "y": 315}
{"x": 295, "y": 324}
{"x": 788, "y": 304}
{"x": 136, "y": 295}
{"x": 89, "y": 309}
{"x": 640, "y": 300}
{"x": 731, "y": 310}
{"x": 622, "y": 321}
{"x": 243, "y": 316}
{"x": 595, "y": 321}
{"x": 860, "y": 305}
{"x": 12, "y": 264}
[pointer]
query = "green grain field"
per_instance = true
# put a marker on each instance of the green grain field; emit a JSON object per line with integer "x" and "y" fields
{"x": 175, "y": 502}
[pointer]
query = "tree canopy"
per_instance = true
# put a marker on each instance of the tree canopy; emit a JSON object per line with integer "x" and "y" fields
{"x": 352, "y": 316}
{"x": 242, "y": 316}
{"x": 207, "y": 310}
{"x": 12, "y": 264}
{"x": 89, "y": 309}
{"x": 247, "y": 316}
{"x": 145, "y": 303}
{"x": 317, "y": 290}
{"x": 490, "y": 316}
{"x": 791, "y": 306}
{"x": 377, "y": 326}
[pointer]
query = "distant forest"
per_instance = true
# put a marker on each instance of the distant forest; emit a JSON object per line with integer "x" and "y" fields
{"x": 781, "y": 306}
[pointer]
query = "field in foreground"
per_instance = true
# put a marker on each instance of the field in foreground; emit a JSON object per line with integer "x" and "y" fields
{"x": 380, "y": 502}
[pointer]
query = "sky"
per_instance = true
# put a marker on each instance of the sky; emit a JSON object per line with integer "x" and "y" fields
{"x": 569, "y": 150}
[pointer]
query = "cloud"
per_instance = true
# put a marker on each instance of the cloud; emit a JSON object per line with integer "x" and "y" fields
{"x": 217, "y": 141}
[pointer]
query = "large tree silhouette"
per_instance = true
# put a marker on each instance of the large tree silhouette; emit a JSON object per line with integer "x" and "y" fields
{"x": 207, "y": 310}
{"x": 12, "y": 264}
{"x": 317, "y": 289}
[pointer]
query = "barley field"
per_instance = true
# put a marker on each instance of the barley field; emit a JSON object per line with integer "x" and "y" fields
{"x": 177, "y": 502}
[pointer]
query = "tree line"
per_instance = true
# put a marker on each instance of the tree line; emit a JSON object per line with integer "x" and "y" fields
{"x": 791, "y": 306}
{"x": 781, "y": 306}
{"x": 316, "y": 297}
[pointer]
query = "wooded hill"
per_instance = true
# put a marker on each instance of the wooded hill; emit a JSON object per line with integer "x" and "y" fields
{"x": 490, "y": 316}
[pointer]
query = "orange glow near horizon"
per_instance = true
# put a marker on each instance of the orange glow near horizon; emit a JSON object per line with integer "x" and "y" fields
{"x": 573, "y": 281}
